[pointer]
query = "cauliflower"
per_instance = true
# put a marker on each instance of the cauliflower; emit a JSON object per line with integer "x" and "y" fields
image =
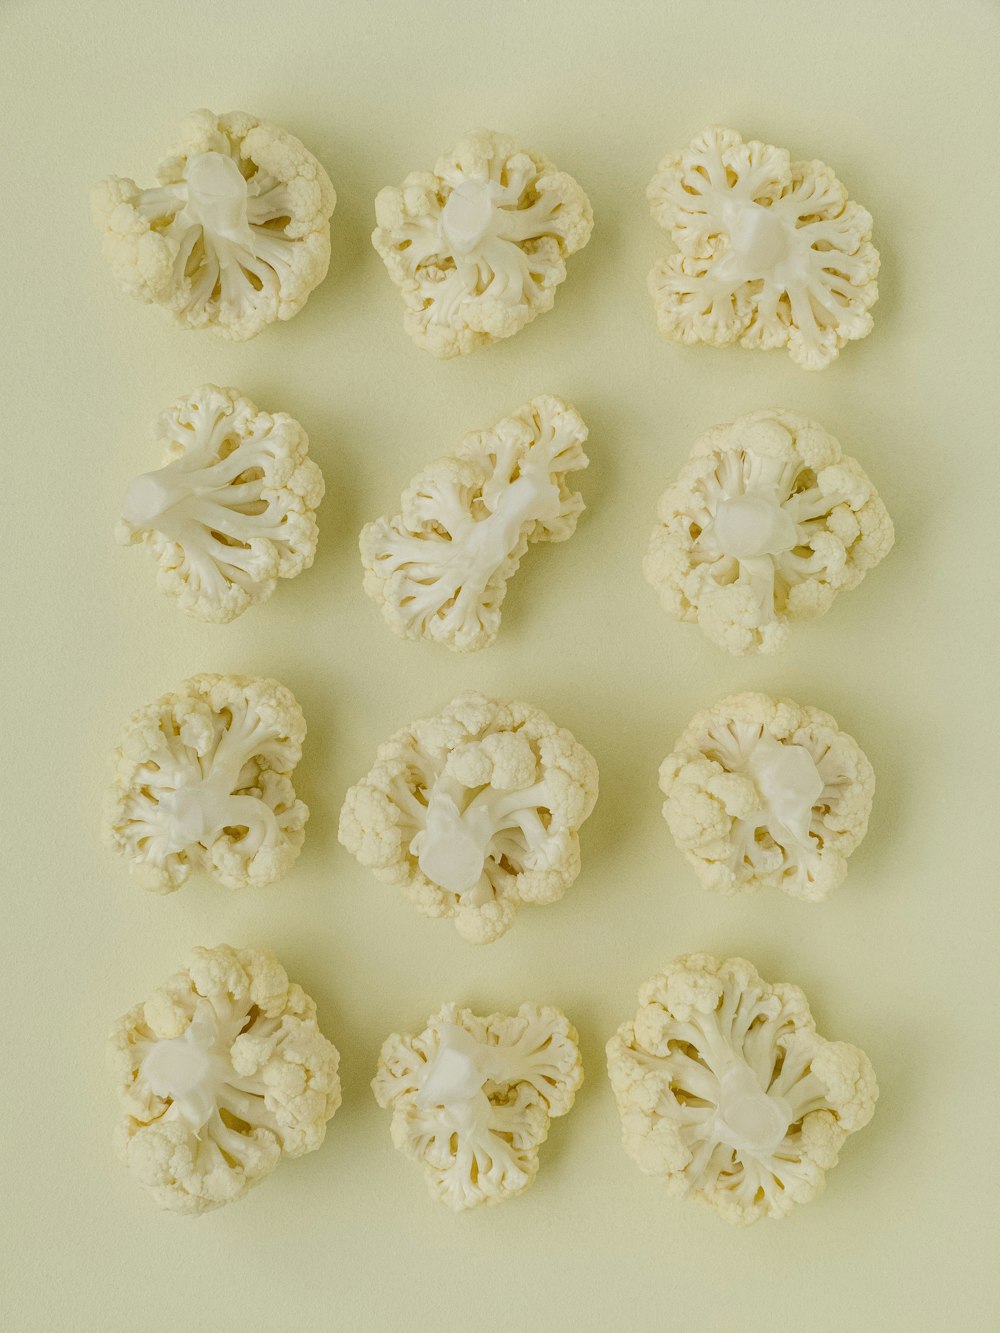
{"x": 766, "y": 523}
{"x": 439, "y": 569}
{"x": 202, "y": 781}
{"x": 770, "y": 253}
{"x": 727, "y": 1092}
{"x": 472, "y": 1098}
{"x": 479, "y": 245}
{"x": 762, "y": 793}
{"x": 474, "y": 812}
{"x": 220, "y": 1073}
{"x": 236, "y": 234}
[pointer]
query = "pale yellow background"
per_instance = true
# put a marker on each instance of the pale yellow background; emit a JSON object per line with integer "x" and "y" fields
{"x": 897, "y": 98}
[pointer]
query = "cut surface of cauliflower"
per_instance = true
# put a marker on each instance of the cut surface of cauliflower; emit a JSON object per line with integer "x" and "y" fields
{"x": 472, "y": 1098}
{"x": 474, "y": 812}
{"x": 439, "y": 569}
{"x": 728, "y": 1094}
{"x": 763, "y": 793}
{"x": 235, "y": 235}
{"x": 203, "y": 781}
{"x": 478, "y": 246}
{"x": 766, "y": 523}
{"x": 770, "y": 252}
{"x": 220, "y": 1073}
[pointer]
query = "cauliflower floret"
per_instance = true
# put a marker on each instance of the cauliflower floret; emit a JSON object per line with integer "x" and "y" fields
{"x": 220, "y": 1074}
{"x": 202, "y": 781}
{"x": 764, "y": 794}
{"x": 770, "y": 252}
{"x": 478, "y": 247}
{"x": 728, "y": 1094}
{"x": 236, "y": 235}
{"x": 474, "y": 812}
{"x": 472, "y": 1098}
{"x": 766, "y": 523}
{"x": 439, "y": 569}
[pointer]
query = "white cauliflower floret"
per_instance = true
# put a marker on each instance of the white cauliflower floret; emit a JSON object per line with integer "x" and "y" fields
{"x": 770, "y": 252}
{"x": 232, "y": 509}
{"x": 728, "y": 1094}
{"x": 474, "y": 812}
{"x": 439, "y": 569}
{"x": 478, "y": 246}
{"x": 221, "y": 1073}
{"x": 202, "y": 781}
{"x": 472, "y": 1098}
{"x": 766, "y": 523}
{"x": 764, "y": 794}
{"x": 236, "y": 234}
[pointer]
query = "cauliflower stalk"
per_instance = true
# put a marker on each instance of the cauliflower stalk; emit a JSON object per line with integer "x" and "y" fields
{"x": 221, "y": 1073}
{"x": 766, "y": 523}
{"x": 770, "y": 252}
{"x": 478, "y": 246}
{"x": 439, "y": 569}
{"x": 474, "y": 812}
{"x": 472, "y": 1098}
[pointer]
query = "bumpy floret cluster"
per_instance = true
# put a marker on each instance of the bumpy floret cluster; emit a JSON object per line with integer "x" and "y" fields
{"x": 474, "y": 812}
{"x": 478, "y": 246}
{"x": 729, "y": 1095}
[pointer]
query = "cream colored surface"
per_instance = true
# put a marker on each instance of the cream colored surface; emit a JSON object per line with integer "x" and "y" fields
{"x": 902, "y": 959}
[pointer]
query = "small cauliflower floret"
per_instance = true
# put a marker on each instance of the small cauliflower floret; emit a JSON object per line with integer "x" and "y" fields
{"x": 472, "y": 1098}
{"x": 762, "y": 793}
{"x": 439, "y": 569}
{"x": 202, "y": 781}
{"x": 728, "y": 1094}
{"x": 221, "y": 1073}
{"x": 478, "y": 246}
{"x": 770, "y": 252}
{"x": 766, "y": 523}
{"x": 236, "y": 234}
{"x": 474, "y": 812}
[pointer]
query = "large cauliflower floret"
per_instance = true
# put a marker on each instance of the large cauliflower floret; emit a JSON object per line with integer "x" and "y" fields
{"x": 236, "y": 234}
{"x": 766, "y": 523}
{"x": 232, "y": 509}
{"x": 479, "y": 245}
{"x": 439, "y": 569}
{"x": 474, "y": 812}
{"x": 221, "y": 1073}
{"x": 729, "y": 1095}
{"x": 203, "y": 781}
{"x": 764, "y": 794}
{"x": 471, "y": 1098}
{"x": 770, "y": 252}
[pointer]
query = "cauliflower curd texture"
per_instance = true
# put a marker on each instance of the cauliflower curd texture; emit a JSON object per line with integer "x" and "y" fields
{"x": 474, "y": 812}
{"x": 728, "y": 1094}
{"x": 766, "y": 523}
{"x": 236, "y": 234}
{"x": 472, "y": 1098}
{"x": 478, "y": 246}
{"x": 221, "y": 1073}
{"x": 770, "y": 252}
{"x": 439, "y": 569}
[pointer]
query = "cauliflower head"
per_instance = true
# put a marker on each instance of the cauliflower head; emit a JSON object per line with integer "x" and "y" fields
{"x": 235, "y": 235}
{"x": 478, "y": 246}
{"x": 472, "y": 1098}
{"x": 770, "y": 252}
{"x": 203, "y": 781}
{"x": 474, "y": 812}
{"x": 439, "y": 569}
{"x": 728, "y": 1094}
{"x": 766, "y": 523}
{"x": 221, "y": 1073}
{"x": 762, "y": 793}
